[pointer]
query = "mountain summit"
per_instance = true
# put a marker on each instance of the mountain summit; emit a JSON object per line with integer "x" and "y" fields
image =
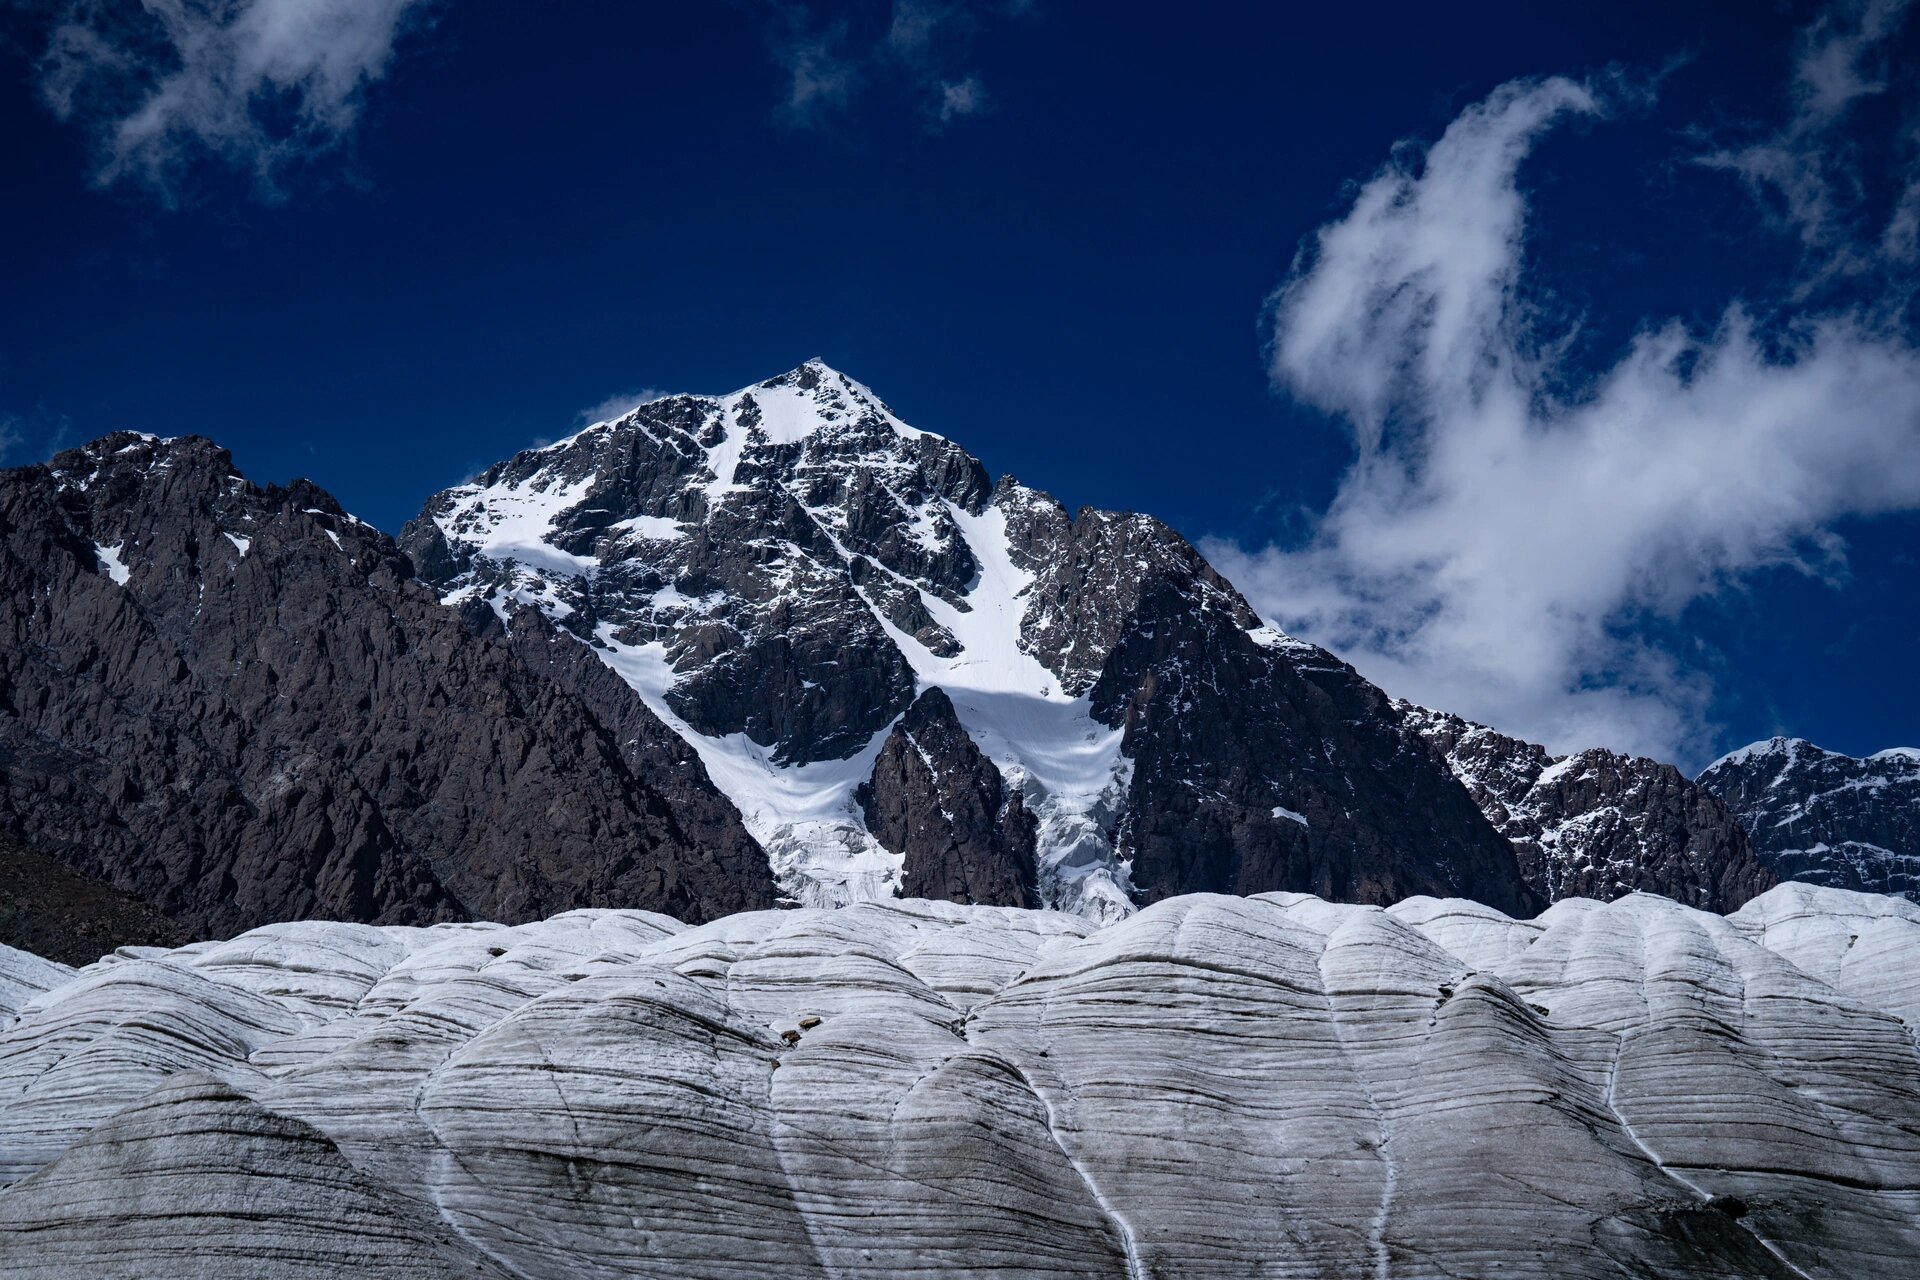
{"x": 782, "y": 572}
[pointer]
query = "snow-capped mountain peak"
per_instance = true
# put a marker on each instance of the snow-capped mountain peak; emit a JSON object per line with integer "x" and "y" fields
{"x": 779, "y": 571}
{"x": 782, "y": 571}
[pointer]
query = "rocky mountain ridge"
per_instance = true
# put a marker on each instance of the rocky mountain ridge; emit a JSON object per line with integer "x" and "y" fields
{"x": 781, "y": 573}
{"x": 723, "y": 651}
{"x": 1598, "y": 824}
{"x": 1827, "y": 818}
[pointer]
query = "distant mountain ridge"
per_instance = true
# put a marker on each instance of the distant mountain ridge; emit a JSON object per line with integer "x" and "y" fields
{"x": 1827, "y": 818}
{"x": 1598, "y": 824}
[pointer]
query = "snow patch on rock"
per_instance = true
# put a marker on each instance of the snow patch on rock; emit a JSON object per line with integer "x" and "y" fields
{"x": 111, "y": 562}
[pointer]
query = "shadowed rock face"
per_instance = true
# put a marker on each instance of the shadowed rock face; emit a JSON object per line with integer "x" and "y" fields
{"x": 1827, "y": 818}
{"x": 47, "y": 909}
{"x": 1597, "y": 824}
{"x": 940, "y": 804}
{"x": 782, "y": 571}
{"x": 1215, "y": 1087}
{"x": 1261, "y": 763}
{"x": 234, "y": 703}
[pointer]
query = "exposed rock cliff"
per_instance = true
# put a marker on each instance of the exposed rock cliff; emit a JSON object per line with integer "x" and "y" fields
{"x": 234, "y": 703}
{"x": 940, "y": 804}
{"x": 1597, "y": 824}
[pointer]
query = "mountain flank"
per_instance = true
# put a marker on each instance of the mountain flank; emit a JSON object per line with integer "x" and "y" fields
{"x": 236, "y": 704}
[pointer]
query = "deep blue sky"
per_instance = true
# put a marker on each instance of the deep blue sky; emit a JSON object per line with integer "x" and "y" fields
{"x": 542, "y": 206}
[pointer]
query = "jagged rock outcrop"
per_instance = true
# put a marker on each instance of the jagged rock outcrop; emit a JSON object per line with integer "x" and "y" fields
{"x": 234, "y": 703}
{"x": 940, "y": 804}
{"x": 1827, "y": 818}
{"x": 781, "y": 571}
{"x": 1597, "y": 824}
{"x": 1216, "y": 1086}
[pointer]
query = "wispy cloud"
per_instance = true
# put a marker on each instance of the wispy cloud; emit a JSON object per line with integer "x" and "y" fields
{"x": 1806, "y": 172}
{"x": 961, "y": 98}
{"x": 821, "y": 72}
{"x": 11, "y": 438}
{"x": 1512, "y": 531}
{"x": 33, "y": 435}
{"x": 833, "y": 54}
{"x": 618, "y": 405}
{"x": 259, "y": 85}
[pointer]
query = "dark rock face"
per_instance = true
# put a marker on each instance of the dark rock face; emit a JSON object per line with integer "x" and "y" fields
{"x": 48, "y": 910}
{"x": 1827, "y": 818}
{"x": 1273, "y": 766}
{"x": 1092, "y": 573}
{"x": 234, "y": 703}
{"x": 935, "y": 799}
{"x": 1598, "y": 824}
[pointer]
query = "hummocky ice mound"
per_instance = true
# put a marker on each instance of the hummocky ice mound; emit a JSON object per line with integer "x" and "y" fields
{"x": 1215, "y": 1087}
{"x": 1827, "y": 818}
{"x": 783, "y": 571}
{"x": 235, "y": 704}
{"x": 1598, "y": 824}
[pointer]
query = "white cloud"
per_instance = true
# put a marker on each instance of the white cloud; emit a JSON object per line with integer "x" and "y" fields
{"x": 915, "y": 25}
{"x": 257, "y": 84}
{"x": 821, "y": 73}
{"x": 11, "y": 438}
{"x": 1509, "y": 530}
{"x": 619, "y": 405}
{"x": 1804, "y": 172}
